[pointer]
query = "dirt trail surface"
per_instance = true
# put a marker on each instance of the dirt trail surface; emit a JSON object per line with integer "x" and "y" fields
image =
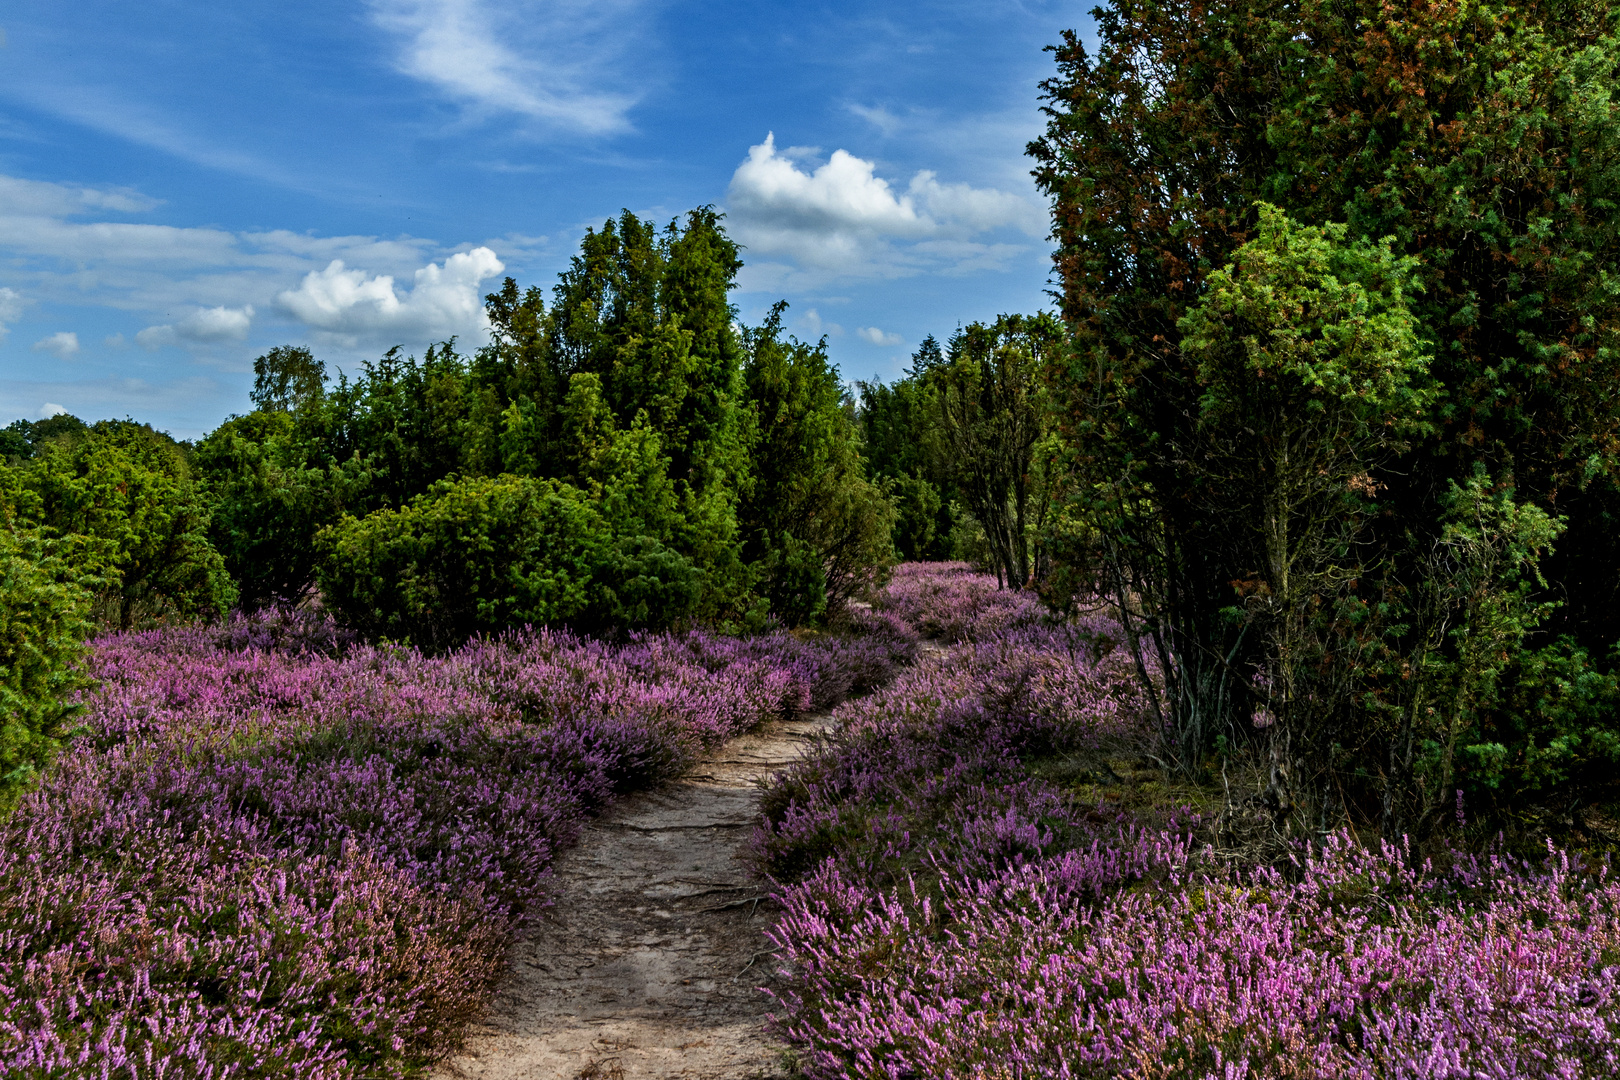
{"x": 649, "y": 964}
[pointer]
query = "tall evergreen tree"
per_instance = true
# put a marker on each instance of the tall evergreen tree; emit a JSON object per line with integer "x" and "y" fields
{"x": 1484, "y": 138}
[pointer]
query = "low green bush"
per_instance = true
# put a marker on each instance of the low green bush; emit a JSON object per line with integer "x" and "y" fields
{"x": 476, "y": 555}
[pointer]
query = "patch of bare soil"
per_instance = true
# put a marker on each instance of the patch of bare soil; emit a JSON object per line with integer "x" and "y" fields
{"x": 651, "y": 961}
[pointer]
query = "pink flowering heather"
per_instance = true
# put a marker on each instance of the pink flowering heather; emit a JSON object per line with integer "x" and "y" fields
{"x": 953, "y": 602}
{"x": 1355, "y": 965}
{"x": 935, "y": 762}
{"x": 275, "y": 852}
{"x": 949, "y": 913}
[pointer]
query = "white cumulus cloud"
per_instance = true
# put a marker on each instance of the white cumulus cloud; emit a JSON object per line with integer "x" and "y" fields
{"x": 443, "y": 300}
{"x": 554, "y": 61}
{"x": 841, "y": 219}
{"x": 876, "y": 336}
{"x": 202, "y": 327}
{"x": 63, "y": 344}
{"x": 50, "y": 409}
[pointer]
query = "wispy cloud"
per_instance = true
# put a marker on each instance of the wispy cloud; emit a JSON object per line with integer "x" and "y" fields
{"x": 207, "y": 287}
{"x": 840, "y": 219}
{"x": 553, "y": 61}
{"x": 12, "y": 303}
{"x": 876, "y": 336}
{"x": 812, "y": 322}
{"x": 204, "y": 326}
{"x": 64, "y": 345}
{"x": 879, "y": 117}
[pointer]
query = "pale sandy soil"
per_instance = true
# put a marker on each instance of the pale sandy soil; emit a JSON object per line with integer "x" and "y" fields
{"x": 651, "y": 961}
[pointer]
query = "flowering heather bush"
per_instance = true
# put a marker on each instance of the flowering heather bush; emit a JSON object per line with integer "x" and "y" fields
{"x": 275, "y": 852}
{"x": 1355, "y": 966}
{"x": 950, "y": 913}
{"x": 935, "y": 764}
{"x": 953, "y": 602}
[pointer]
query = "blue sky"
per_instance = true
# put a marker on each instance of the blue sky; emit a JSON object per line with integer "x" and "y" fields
{"x": 184, "y": 185}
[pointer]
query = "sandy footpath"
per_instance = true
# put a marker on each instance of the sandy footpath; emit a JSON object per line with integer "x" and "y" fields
{"x": 649, "y": 964}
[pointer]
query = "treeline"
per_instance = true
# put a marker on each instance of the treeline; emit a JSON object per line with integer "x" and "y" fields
{"x": 624, "y": 456}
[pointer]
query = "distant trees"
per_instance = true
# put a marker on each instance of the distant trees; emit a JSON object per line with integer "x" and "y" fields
{"x": 956, "y": 442}
{"x": 899, "y": 436}
{"x": 626, "y": 456}
{"x": 286, "y": 378}
{"x": 988, "y": 401}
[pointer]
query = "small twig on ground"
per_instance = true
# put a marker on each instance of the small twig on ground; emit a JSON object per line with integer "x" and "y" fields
{"x": 736, "y": 903}
{"x": 751, "y": 959}
{"x": 608, "y": 1069}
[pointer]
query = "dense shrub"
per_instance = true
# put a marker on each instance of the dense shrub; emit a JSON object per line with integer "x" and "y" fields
{"x": 44, "y": 619}
{"x": 469, "y": 557}
{"x": 1460, "y": 159}
{"x": 135, "y": 493}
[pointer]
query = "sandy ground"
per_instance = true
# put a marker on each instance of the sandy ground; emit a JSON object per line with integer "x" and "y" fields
{"x": 651, "y": 961}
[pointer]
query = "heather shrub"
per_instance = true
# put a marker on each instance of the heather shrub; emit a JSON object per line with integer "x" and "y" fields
{"x": 954, "y": 602}
{"x": 1139, "y": 956}
{"x": 954, "y": 908}
{"x": 277, "y": 852}
{"x": 44, "y": 619}
{"x": 935, "y": 766}
{"x": 210, "y": 949}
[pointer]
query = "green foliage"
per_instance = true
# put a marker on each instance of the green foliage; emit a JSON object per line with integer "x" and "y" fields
{"x": 917, "y": 510}
{"x": 1460, "y": 656}
{"x": 623, "y": 402}
{"x": 44, "y": 620}
{"x": 1302, "y": 325}
{"x": 817, "y": 529}
{"x": 625, "y": 472}
{"x": 467, "y": 557}
{"x": 989, "y": 403}
{"x": 133, "y": 493}
{"x": 1549, "y": 737}
{"x": 1482, "y": 140}
{"x": 901, "y": 441}
{"x": 269, "y": 504}
{"x": 477, "y": 555}
{"x": 20, "y": 438}
{"x": 1311, "y": 377}
{"x": 286, "y": 378}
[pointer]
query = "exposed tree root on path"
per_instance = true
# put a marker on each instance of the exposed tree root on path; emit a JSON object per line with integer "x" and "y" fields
{"x": 651, "y": 961}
